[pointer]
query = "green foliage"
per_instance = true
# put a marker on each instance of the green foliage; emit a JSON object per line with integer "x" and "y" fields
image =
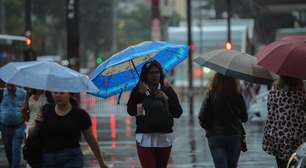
{"x": 14, "y": 15}
{"x": 96, "y": 25}
{"x": 134, "y": 27}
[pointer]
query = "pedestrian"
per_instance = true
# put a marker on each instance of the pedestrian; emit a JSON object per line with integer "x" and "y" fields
{"x": 61, "y": 125}
{"x": 12, "y": 125}
{"x": 34, "y": 103}
{"x": 222, "y": 113}
{"x": 248, "y": 92}
{"x": 285, "y": 128}
{"x": 154, "y": 103}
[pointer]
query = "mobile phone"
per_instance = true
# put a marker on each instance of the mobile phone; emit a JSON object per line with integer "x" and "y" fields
{"x": 147, "y": 92}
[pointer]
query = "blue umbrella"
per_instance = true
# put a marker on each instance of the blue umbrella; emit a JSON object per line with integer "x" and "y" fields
{"x": 121, "y": 71}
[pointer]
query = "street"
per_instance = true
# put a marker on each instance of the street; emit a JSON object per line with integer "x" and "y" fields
{"x": 115, "y": 132}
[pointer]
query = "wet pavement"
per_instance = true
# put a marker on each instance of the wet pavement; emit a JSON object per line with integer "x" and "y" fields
{"x": 115, "y": 131}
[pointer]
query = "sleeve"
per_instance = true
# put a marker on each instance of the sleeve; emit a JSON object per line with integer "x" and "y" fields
{"x": 174, "y": 103}
{"x": 244, "y": 114}
{"x": 204, "y": 114}
{"x": 85, "y": 120}
{"x": 134, "y": 99}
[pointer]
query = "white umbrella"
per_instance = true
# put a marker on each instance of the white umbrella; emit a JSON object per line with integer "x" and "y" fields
{"x": 46, "y": 76}
{"x": 236, "y": 64}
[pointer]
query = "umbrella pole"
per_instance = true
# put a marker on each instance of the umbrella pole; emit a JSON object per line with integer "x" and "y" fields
{"x": 135, "y": 68}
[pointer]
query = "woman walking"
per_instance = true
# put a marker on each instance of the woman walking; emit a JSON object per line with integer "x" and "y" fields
{"x": 222, "y": 113}
{"x": 61, "y": 125}
{"x": 34, "y": 103}
{"x": 285, "y": 128}
{"x": 154, "y": 104}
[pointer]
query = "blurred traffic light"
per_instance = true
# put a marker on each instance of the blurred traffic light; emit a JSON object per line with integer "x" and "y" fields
{"x": 28, "y": 41}
{"x": 228, "y": 45}
{"x": 99, "y": 60}
{"x": 192, "y": 47}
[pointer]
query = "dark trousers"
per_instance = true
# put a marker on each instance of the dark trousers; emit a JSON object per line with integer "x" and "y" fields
{"x": 68, "y": 158}
{"x": 12, "y": 140}
{"x": 153, "y": 157}
{"x": 225, "y": 150}
{"x": 281, "y": 163}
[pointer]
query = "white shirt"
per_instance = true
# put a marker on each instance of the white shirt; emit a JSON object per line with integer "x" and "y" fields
{"x": 35, "y": 106}
{"x": 155, "y": 139}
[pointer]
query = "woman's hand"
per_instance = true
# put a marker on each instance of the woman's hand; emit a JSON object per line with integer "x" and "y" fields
{"x": 39, "y": 117}
{"x": 142, "y": 87}
{"x": 161, "y": 94}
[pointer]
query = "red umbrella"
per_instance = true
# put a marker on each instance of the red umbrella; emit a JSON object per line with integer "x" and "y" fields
{"x": 285, "y": 57}
{"x": 295, "y": 38}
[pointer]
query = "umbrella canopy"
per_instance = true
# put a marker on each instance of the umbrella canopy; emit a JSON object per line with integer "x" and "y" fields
{"x": 46, "y": 76}
{"x": 121, "y": 71}
{"x": 285, "y": 57}
{"x": 237, "y": 65}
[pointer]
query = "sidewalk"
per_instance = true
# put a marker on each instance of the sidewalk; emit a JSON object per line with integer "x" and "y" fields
{"x": 114, "y": 130}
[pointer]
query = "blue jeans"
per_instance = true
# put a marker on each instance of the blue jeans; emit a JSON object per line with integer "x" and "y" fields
{"x": 68, "y": 158}
{"x": 225, "y": 150}
{"x": 12, "y": 140}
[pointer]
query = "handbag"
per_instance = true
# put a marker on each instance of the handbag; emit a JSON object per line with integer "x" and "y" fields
{"x": 32, "y": 150}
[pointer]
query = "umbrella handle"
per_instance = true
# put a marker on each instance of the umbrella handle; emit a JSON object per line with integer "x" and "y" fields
{"x": 135, "y": 68}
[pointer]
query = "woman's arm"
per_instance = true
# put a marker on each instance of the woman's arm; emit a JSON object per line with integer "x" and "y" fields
{"x": 93, "y": 144}
{"x": 204, "y": 114}
{"x": 133, "y": 101}
{"x": 244, "y": 113}
{"x": 174, "y": 103}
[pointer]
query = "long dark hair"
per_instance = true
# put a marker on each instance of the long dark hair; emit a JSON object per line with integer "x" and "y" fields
{"x": 289, "y": 83}
{"x": 225, "y": 85}
{"x": 73, "y": 100}
{"x": 49, "y": 97}
{"x": 145, "y": 70}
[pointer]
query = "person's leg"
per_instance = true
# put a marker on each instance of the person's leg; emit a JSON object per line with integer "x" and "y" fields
{"x": 162, "y": 156}
{"x": 16, "y": 145}
{"x": 49, "y": 160}
{"x": 233, "y": 150}
{"x": 281, "y": 163}
{"x": 218, "y": 151}
{"x": 7, "y": 137}
{"x": 146, "y": 157}
{"x": 72, "y": 158}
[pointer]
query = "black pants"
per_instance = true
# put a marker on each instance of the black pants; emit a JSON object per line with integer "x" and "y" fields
{"x": 281, "y": 163}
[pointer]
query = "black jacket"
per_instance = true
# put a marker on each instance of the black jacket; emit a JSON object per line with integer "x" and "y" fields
{"x": 222, "y": 115}
{"x": 136, "y": 98}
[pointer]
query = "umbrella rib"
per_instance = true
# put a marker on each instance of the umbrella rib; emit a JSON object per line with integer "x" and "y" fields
{"x": 175, "y": 52}
{"x": 133, "y": 73}
{"x": 264, "y": 58}
{"x": 279, "y": 67}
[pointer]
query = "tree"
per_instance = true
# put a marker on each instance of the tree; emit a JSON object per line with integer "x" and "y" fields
{"x": 14, "y": 16}
{"x": 96, "y": 26}
{"x": 134, "y": 27}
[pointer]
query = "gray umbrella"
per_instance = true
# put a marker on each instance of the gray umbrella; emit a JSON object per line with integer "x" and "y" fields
{"x": 46, "y": 76}
{"x": 236, "y": 64}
